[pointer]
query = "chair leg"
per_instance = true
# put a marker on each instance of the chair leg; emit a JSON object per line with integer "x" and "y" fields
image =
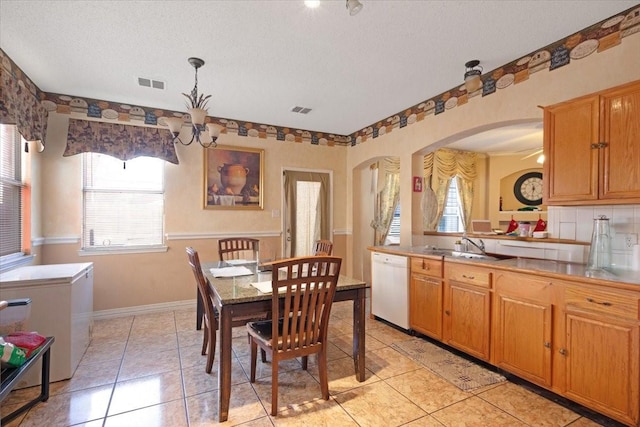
{"x": 199, "y": 311}
{"x": 305, "y": 362}
{"x": 322, "y": 371}
{"x": 264, "y": 355}
{"x": 274, "y": 386}
{"x": 254, "y": 356}
{"x": 205, "y": 339}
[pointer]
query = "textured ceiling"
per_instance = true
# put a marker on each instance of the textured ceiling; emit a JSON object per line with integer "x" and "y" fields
{"x": 264, "y": 57}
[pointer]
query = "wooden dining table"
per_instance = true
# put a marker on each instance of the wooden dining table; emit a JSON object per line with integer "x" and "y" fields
{"x": 235, "y": 297}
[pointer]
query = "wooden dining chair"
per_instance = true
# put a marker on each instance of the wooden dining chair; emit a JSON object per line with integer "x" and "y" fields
{"x": 230, "y": 248}
{"x": 307, "y": 286}
{"x": 323, "y": 247}
{"x": 238, "y": 248}
{"x": 210, "y": 317}
{"x": 210, "y": 313}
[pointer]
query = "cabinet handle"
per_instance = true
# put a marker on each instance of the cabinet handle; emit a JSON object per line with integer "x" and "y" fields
{"x": 547, "y": 344}
{"x": 562, "y": 351}
{"x": 605, "y": 303}
{"x": 447, "y": 312}
{"x": 603, "y": 145}
{"x": 468, "y": 277}
{"x": 594, "y": 146}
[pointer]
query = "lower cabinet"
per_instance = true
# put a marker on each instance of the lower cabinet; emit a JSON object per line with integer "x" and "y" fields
{"x": 601, "y": 352}
{"x": 467, "y": 309}
{"x": 522, "y": 326}
{"x": 580, "y": 340}
{"x": 425, "y": 297}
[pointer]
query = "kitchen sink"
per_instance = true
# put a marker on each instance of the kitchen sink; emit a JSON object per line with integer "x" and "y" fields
{"x": 473, "y": 255}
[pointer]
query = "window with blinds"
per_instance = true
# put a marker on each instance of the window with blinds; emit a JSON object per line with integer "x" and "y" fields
{"x": 451, "y": 220}
{"x": 123, "y": 207}
{"x": 10, "y": 191}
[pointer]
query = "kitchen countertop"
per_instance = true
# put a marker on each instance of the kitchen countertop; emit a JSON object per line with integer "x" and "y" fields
{"x": 620, "y": 278}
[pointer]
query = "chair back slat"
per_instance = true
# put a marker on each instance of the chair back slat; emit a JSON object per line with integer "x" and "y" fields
{"x": 238, "y": 248}
{"x": 308, "y": 285}
{"x": 323, "y": 247}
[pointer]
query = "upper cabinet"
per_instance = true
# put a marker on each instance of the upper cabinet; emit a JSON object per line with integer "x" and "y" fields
{"x": 592, "y": 148}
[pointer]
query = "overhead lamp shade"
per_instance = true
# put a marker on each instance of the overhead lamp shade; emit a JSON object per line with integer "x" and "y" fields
{"x": 472, "y": 80}
{"x": 214, "y": 130}
{"x": 354, "y": 6}
{"x": 197, "y": 115}
{"x": 174, "y": 123}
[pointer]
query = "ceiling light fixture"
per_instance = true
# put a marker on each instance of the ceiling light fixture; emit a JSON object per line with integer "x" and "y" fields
{"x": 312, "y": 4}
{"x": 354, "y": 6}
{"x": 197, "y": 108}
{"x": 472, "y": 81}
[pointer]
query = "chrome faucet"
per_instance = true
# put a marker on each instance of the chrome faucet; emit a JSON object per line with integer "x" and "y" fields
{"x": 480, "y": 246}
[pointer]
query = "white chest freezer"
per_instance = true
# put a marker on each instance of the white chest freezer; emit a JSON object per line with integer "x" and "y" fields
{"x": 61, "y": 306}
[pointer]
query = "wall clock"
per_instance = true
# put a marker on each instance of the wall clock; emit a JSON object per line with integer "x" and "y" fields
{"x": 528, "y": 188}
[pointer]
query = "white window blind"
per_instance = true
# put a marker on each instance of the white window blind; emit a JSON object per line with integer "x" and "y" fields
{"x": 451, "y": 220}
{"x": 123, "y": 207}
{"x": 10, "y": 191}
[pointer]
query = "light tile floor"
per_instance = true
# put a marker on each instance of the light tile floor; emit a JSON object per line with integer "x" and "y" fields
{"x": 148, "y": 371}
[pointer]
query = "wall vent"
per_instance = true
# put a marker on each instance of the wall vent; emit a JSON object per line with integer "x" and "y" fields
{"x": 301, "y": 110}
{"x": 155, "y": 84}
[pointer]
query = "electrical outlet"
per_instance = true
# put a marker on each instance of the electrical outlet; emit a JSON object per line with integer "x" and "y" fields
{"x": 630, "y": 240}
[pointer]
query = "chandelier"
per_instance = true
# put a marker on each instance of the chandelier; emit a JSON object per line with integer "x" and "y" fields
{"x": 197, "y": 109}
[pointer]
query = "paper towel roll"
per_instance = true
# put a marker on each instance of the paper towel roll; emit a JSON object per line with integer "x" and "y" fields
{"x": 635, "y": 258}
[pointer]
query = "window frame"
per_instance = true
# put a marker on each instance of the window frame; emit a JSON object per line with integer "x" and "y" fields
{"x": 87, "y": 250}
{"x": 22, "y": 256}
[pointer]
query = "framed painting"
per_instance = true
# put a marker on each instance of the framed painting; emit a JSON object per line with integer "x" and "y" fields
{"x": 233, "y": 178}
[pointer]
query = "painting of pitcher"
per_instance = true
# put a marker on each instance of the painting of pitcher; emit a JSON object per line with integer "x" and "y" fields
{"x": 233, "y": 178}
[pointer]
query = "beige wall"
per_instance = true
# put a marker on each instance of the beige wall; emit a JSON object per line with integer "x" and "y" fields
{"x": 515, "y": 103}
{"x": 132, "y": 280}
{"x": 151, "y": 278}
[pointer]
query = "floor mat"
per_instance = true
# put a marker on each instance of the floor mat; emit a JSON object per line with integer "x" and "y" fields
{"x": 459, "y": 371}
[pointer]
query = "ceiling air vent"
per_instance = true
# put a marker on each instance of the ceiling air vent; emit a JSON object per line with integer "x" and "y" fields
{"x": 156, "y": 84}
{"x": 301, "y": 110}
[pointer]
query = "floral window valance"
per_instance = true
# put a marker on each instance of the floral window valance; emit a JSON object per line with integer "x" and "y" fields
{"x": 19, "y": 103}
{"x": 124, "y": 142}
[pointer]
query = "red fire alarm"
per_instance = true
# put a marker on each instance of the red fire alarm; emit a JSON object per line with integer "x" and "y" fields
{"x": 417, "y": 184}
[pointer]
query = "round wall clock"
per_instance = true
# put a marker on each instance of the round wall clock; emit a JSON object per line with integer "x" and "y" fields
{"x": 528, "y": 189}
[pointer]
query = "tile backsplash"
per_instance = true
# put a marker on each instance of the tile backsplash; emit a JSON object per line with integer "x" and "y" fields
{"x": 576, "y": 223}
{"x": 569, "y": 223}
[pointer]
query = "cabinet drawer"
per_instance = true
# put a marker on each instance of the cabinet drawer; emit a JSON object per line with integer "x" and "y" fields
{"x": 469, "y": 274}
{"x": 617, "y": 303}
{"x": 428, "y": 266}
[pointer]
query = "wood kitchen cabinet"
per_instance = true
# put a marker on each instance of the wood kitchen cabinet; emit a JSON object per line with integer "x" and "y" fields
{"x": 591, "y": 150}
{"x": 600, "y": 351}
{"x": 467, "y": 308}
{"x": 522, "y": 326}
{"x": 425, "y": 297}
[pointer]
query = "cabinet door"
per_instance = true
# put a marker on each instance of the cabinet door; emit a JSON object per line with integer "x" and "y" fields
{"x": 620, "y": 155}
{"x": 522, "y": 328}
{"x": 571, "y": 132}
{"x": 425, "y": 313}
{"x": 602, "y": 364}
{"x": 467, "y": 318}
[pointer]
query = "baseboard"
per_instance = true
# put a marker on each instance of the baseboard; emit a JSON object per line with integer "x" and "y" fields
{"x": 143, "y": 309}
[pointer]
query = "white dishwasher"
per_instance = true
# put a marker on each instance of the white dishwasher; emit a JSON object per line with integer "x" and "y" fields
{"x": 390, "y": 288}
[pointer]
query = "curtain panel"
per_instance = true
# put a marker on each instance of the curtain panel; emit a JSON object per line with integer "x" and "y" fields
{"x": 124, "y": 142}
{"x": 439, "y": 168}
{"x": 19, "y": 103}
{"x": 386, "y": 200}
